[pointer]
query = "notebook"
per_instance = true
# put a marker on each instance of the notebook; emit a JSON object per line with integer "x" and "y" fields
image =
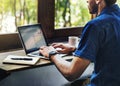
{"x": 23, "y": 60}
{"x": 32, "y": 38}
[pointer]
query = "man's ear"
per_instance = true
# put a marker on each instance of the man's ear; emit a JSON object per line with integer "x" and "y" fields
{"x": 98, "y": 1}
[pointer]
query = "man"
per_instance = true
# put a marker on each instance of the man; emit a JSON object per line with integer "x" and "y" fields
{"x": 100, "y": 43}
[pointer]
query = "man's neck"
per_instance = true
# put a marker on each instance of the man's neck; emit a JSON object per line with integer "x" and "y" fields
{"x": 101, "y": 6}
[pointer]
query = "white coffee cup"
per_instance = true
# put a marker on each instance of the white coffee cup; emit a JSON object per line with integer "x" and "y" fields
{"x": 73, "y": 40}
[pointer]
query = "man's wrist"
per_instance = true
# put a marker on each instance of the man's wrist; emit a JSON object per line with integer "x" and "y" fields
{"x": 73, "y": 48}
{"x": 52, "y": 53}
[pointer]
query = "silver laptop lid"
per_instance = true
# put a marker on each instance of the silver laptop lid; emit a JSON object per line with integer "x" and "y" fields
{"x": 32, "y": 37}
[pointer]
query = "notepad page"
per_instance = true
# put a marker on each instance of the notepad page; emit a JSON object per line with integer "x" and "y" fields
{"x": 9, "y": 60}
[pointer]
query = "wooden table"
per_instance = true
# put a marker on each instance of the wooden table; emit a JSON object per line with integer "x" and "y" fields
{"x": 44, "y": 73}
{"x": 13, "y": 67}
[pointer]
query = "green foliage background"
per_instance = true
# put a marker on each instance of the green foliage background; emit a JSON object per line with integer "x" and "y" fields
{"x": 24, "y": 11}
{"x": 70, "y": 13}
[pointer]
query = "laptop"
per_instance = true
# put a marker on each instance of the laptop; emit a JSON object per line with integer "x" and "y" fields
{"x": 32, "y": 38}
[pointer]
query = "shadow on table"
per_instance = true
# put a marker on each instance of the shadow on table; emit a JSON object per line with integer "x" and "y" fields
{"x": 3, "y": 74}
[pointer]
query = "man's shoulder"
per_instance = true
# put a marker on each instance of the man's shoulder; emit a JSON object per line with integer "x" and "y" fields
{"x": 100, "y": 20}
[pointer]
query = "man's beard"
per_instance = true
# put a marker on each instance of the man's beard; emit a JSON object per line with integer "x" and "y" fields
{"x": 94, "y": 9}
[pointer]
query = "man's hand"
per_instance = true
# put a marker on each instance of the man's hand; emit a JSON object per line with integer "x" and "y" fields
{"x": 65, "y": 48}
{"x": 44, "y": 50}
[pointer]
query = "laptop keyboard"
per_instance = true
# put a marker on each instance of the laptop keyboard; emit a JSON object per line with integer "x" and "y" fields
{"x": 39, "y": 54}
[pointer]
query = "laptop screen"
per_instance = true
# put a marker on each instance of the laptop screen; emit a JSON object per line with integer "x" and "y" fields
{"x": 32, "y": 37}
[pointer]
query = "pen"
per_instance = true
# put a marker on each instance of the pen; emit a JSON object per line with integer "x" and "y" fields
{"x": 28, "y": 59}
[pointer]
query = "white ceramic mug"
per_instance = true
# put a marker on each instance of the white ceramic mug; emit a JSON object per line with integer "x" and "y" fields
{"x": 73, "y": 40}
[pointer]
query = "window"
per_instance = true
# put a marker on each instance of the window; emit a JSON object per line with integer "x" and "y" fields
{"x": 118, "y": 2}
{"x": 16, "y": 12}
{"x": 71, "y": 13}
{"x": 68, "y": 13}
{"x": 19, "y": 12}
{"x": 46, "y": 16}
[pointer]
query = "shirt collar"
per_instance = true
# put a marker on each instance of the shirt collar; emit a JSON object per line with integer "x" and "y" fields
{"x": 112, "y": 8}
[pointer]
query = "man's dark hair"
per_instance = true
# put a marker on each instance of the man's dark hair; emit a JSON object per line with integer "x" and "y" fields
{"x": 110, "y": 2}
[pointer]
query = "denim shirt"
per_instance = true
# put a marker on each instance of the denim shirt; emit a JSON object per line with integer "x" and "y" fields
{"x": 100, "y": 43}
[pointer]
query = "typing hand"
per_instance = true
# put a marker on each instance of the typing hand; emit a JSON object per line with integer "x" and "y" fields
{"x": 63, "y": 48}
{"x": 44, "y": 50}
